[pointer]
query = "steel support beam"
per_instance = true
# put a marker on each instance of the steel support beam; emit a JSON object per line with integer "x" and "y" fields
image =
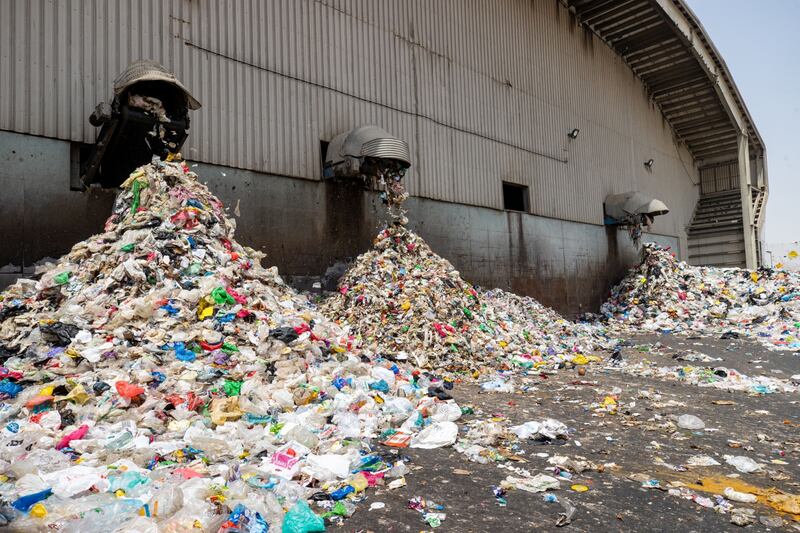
{"x": 747, "y": 203}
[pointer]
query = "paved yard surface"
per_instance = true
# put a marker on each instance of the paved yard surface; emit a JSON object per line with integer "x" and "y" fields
{"x": 638, "y": 439}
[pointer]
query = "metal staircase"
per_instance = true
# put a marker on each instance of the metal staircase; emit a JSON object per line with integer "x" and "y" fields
{"x": 759, "y": 201}
{"x": 716, "y": 236}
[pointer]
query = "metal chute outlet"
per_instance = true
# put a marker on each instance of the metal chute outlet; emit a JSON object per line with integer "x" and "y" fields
{"x": 633, "y": 210}
{"x": 366, "y": 152}
{"x": 148, "y": 116}
{"x": 376, "y": 159}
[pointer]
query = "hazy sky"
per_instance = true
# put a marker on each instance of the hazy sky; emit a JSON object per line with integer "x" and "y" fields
{"x": 760, "y": 44}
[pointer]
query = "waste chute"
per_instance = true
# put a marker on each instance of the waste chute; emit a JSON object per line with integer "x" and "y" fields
{"x": 377, "y": 158}
{"x": 633, "y": 210}
{"x": 148, "y": 116}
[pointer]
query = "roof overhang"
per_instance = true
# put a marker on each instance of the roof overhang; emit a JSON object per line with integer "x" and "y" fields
{"x": 668, "y": 49}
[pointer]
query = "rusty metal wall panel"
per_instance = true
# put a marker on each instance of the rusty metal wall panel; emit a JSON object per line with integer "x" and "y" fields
{"x": 482, "y": 91}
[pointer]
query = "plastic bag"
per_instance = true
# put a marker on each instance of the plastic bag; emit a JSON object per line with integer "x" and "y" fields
{"x": 437, "y": 435}
{"x": 549, "y": 428}
{"x": 128, "y": 390}
{"x": 690, "y": 422}
{"x": 285, "y": 334}
{"x": 339, "y": 465}
{"x": 301, "y": 519}
{"x": 58, "y": 333}
{"x": 736, "y": 496}
{"x": 446, "y": 412}
{"x": 742, "y": 464}
{"x": 75, "y": 435}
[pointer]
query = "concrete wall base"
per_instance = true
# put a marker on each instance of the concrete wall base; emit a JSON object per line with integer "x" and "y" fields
{"x": 310, "y": 230}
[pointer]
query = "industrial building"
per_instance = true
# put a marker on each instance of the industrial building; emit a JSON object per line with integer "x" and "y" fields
{"x": 521, "y": 117}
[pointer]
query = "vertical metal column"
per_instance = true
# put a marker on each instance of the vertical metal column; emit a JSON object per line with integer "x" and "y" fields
{"x": 748, "y": 225}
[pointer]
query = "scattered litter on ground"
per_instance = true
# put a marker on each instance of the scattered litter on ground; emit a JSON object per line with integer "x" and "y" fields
{"x": 157, "y": 377}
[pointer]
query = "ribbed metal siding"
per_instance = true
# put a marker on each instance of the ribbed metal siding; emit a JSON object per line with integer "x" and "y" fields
{"x": 720, "y": 177}
{"x": 482, "y": 91}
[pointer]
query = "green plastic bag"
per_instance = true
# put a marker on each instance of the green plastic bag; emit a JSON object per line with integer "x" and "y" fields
{"x": 137, "y": 191}
{"x": 232, "y": 388}
{"x": 221, "y": 296}
{"x": 63, "y": 278}
{"x": 301, "y": 519}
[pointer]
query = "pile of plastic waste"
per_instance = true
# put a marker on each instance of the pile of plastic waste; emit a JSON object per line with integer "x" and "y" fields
{"x": 550, "y": 336}
{"x": 404, "y": 301}
{"x": 157, "y": 378}
{"x": 667, "y": 295}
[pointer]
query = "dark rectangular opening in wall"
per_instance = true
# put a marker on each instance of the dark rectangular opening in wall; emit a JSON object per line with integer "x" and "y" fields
{"x": 79, "y": 155}
{"x": 515, "y": 197}
{"x": 323, "y": 149}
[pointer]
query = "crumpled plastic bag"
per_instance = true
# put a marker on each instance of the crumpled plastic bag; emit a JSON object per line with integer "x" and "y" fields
{"x": 537, "y": 483}
{"x": 59, "y": 333}
{"x": 549, "y": 428}
{"x": 690, "y": 422}
{"x": 301, "y": 519}
{"x": 284, "y": 334}
{"x": 742, "y": 464}
{"x": 437, "y": 435}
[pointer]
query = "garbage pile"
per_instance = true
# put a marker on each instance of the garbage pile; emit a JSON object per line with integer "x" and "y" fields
{"x": 666, "y": 295}
{"x": 405, "y": 302}
{"x": 157, "y": 378}
{"x": 550, "y": 336}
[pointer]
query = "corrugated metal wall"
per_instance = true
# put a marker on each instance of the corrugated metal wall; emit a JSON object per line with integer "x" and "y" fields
{"x": 720, "y": 177}
{"x": 483, "y": 91}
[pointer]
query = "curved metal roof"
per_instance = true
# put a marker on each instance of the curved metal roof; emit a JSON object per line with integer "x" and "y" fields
{"x": 665, "y": 45}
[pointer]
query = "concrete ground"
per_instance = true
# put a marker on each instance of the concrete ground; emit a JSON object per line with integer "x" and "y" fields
{"x": 638, "y": 439}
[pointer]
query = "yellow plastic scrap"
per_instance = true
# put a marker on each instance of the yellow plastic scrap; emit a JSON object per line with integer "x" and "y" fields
{"x": 47, "y": 391}
{"x": 754, "y": 276}
{"x": 78, "y": 395}
{"x": 610, "y": 404}
{"x": 133, "y": 177}
{"x": 72, "y": 352}
{"x": 580, "y": 359}
{"x": 225, "y": 409}
{"x": 38, "y": 510}
{"x": 609, "y": 400}
{"x": 406, "y": 305}
{"x": 205, "y": 309}
{"x": 358, "y": 482}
